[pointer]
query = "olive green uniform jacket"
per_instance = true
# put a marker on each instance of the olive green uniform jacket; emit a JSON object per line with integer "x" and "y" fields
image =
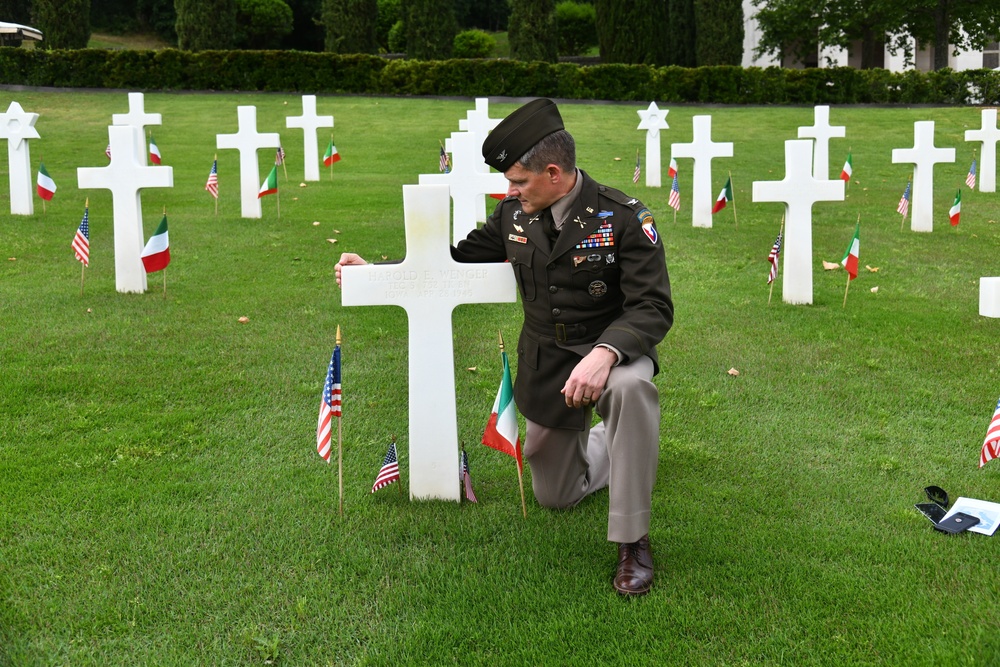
{"x": 604, "y": 280}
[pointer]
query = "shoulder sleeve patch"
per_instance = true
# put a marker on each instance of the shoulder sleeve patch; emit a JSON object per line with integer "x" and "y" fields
{"x": 648, "y": 225}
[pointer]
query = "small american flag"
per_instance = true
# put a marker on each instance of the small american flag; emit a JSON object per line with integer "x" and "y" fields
{"x": 279, "y": 158}
{"x": 444, "y": 162}
{"x": 390, "y": 469}
{"x": 991, "y": 446}
{"x": 81, "y": 242}
{"x": 213, "y": 180}
{"x": 107, "y": 151}
{"x": 773, "y": 259}
{"x": 904, "y": 201}
{"x": 675, "y": 195}
{"x": 329, "y": 406}
{"x": 638, "y": 168}
{"x": 970, "y": 178}
{"x": 470, "y": 495}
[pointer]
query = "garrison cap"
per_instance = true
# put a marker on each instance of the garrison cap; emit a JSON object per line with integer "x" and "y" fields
{"x": 519, "y": 132}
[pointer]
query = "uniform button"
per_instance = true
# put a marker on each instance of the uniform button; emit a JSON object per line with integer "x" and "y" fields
{"x": 553, "y": 289}
{"x": 556, "y": 312}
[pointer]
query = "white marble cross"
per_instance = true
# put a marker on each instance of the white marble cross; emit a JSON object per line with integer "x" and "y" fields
{"x": 15, "y": 126}
{"x": 799, "y": 190}
{"x": 652, "y": 119}
{"x": 479, "y": 123}
{"x": 989, "y": 297}
{"x": 139, "y": 119}
{"x": 248, "y": 141}
{"x": 702, "y": 149}
{"x": 429, "y": 284}
{"x": 822, "y": 132}
{"x": 467, "y": 184}
{"x": 125, "y": 176}
{"x": 310, "y": 122}
{"x": 924, "y": 155}
{"x": 988, "y": 134}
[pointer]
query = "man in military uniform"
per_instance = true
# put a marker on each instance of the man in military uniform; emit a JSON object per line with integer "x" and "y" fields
{"x": 592, "y": 276}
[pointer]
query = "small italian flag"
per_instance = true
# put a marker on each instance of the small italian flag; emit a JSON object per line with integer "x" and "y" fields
{"x": 156, "y": 254}
{"x": 331, "y": 155}
{"x": 725, "y": 196}
{"x": 850, "y": 261}
{"x": 46, "y": 186}
{"x": 845, "y": 173}
{"x": 956, "y": 208}
{"x": 501, "y": 430}
{"x": 154, "y": 151}
{"x": 270, "y": 184}
{"x": 672, "y": 169}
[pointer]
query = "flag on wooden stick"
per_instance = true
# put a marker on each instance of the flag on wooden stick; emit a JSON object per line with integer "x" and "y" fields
{"x": 329, "y": 406}
{"x": 389, "y": 472}
{"x": 991, "y": 446}
{"x": 470, "y": 495}
{"x": 45, "y": 185}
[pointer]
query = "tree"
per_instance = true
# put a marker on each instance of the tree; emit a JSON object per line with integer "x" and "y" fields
{"x": 531, "y": 30}
{"x": 719, "y": 32}
{"x": 801, "y": 27}
{"x": 681, "y": 45}
{"x": 206, "y": 24}
{"x": 350, "y": 25}
{"x": 430, "y": 28}
{"x": 635, "y": 32}
{"x": 308, "y": 32}
{"x": 261, "y": 24}
{"x": 962, "y": 24}
{"x": 16, "y": 11}
{"x": 65, "y": 23}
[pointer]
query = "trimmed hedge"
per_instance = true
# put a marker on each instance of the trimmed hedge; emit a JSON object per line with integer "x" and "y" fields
{"x": 292, "y": 71}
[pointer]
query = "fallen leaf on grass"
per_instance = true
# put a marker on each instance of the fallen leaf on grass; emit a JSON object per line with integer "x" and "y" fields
{"x": 331, "y": 240}
{"x": 303, "y": 185}
{"x": 471, "y": 369}
{"x": 830, "y": 266}
{"x": 315, "y": 223}
{"x": 873, "y": 269}
{"x": 618, "y": 159}
{"x": 385, "y": 257}
{"x": 89, "y": 310}
{"x": 336, "y": 231}
{"x": 243, "y": 320}
{"x": 733, "y": 372}
{"x": 875, "y": 290}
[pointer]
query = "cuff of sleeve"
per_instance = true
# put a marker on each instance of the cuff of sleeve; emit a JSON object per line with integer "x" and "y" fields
{"x": 617, "y": 353}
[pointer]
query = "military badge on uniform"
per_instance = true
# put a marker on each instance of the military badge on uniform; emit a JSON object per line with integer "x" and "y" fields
{"x": 648, "y": 228}
{"x": 604, "y": 237}
{"x": 597, "y": 289}
{"x": 518, "y": 228}
{"x": 578, "y": 260}
{"x": 517, "y": 239}
{"x": 605, "y": 214}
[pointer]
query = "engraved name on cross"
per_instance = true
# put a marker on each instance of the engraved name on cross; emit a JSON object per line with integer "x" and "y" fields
{"x": 139, "y": 119}
{"x": 248, "y": 141}
{"x": 428, "y": 284}
{"x": 15, "y": 126}
{"x": 799, "y": 190}
{"x": 702, "y": 149}
{"x": 822, "y": 132}
{"x": 988, "y": 134}
{"x": 309, "y": 122}
{"x": 652, "y": 119}
{"x": 466, "y": 183}
{"x": 479, "y": 123}
{"x": 924, "y": 155}
{"x": 125, "y": 176}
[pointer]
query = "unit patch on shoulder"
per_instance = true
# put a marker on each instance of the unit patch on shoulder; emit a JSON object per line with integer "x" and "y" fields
{"x": 648, "y": 226}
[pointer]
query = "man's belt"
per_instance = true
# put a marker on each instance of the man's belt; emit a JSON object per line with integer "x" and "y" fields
{"x": 563, "y": 333}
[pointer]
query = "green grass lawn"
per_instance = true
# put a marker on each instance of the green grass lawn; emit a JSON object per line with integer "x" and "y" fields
{"x": 162, "y": 502}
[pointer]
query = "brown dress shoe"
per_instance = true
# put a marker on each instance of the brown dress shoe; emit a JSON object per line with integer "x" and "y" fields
{"x": 635, "y": 568}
